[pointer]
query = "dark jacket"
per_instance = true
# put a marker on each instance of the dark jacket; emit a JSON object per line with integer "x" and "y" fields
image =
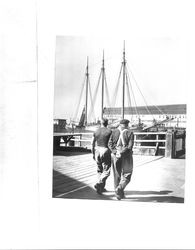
{"x": 128, "y": 139}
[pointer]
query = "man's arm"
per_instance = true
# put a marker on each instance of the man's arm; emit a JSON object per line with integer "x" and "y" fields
{"x": 111, "y": 143}
{"x": 131, "y": 141}
{"x": 129, "y": 146}
{"x": 93, "y": 146}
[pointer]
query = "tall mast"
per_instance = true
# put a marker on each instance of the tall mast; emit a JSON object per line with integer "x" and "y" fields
{"x": 86, "y": 96}
{"x": 103, "y": 75}
{"x": 124, "y": 74}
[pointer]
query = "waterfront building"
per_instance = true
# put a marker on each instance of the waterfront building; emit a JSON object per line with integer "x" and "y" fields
{"x": 177, "y": 112}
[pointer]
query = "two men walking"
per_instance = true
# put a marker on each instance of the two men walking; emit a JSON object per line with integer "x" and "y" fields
{"x": 114, "y": 147}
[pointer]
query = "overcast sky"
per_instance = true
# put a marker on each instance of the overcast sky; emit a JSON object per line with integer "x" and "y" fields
{"x": 158, "y": 65}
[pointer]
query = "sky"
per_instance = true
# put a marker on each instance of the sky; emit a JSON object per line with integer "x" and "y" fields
{"x": 157, "y": 65}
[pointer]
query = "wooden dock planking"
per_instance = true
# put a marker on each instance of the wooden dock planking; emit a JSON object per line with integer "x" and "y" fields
{"x": 73, "y": 172}
{"x": 67, "y": 188}
{"x": 155, "y": 178}
{"x": 77, "y": 171}
{"x": 69, "y": 180}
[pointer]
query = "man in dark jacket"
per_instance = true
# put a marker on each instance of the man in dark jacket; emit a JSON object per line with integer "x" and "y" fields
{"x": 102, "y": 155}
{"x": 121, "y": 145}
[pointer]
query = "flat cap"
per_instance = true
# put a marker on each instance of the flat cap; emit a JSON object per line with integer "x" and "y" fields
{"x": 124, "y": 121}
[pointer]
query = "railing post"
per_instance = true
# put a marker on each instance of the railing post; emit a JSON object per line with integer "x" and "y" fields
{"x": 157, "y": 145}
{"x": 80, "y": 137}
{"x": 71, "y": 143}
{"x": 184, "y": 141}
{"x": 157, "y": 138}
{"x": 169, "y": 145}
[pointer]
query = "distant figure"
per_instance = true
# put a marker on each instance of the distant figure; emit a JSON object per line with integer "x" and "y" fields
{"x": 101, "y": 154}
{"x": 121, "y": 144}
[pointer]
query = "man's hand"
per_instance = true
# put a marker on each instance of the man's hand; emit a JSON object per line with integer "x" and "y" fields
{"x": 118, "y": 154}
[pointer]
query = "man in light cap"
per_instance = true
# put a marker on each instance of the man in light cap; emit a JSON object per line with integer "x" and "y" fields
{"x": 102, "y": 154}
{"x": 121, "y": 145}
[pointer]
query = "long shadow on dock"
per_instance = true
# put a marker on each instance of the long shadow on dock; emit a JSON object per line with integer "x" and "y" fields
{"x": 153, "y": 196}
{"x": 166, "y": 199}
{"x": 70, "y": 188}
{"x": 74, "y": 179}
{"x": 67, "y": 187}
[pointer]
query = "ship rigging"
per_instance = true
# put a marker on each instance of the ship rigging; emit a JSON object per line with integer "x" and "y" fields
{"x": 127, "y": 98}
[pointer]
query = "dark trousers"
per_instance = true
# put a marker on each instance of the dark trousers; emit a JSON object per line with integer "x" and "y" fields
{"x": 122, "y": 169}
{"x": 103, "y": 160}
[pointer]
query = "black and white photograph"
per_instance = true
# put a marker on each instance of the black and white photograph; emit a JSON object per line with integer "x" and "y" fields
{"x": 97, "y": 124}
{"x": 120, "y": 118}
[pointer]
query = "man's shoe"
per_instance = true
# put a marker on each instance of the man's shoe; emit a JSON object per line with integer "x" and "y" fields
{"x": 123, "y": 195}
{"x": 119, "y": 193}
{"x": 104, "y": 190}
{"x": 98, "y": 188}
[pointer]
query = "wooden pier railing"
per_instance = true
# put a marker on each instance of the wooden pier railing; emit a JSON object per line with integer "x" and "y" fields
{"x": 170, "y": 144}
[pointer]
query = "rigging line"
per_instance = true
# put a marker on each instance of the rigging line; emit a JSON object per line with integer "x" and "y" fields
{"x": 136, "y": 110}
{"x": 116, "y": 88}
{"x": 100, "y": 62}
{"x": 80, "y": 97}
{"x": 95, "y": 93}
{"x": 159, "y": 110}
{"x": 129, "y": 96}
{"x": 140, "y": 93}
{"x": 106, "y": 88}
{"x": 143, "y": 96}
{"x": 128, "y": 92}
{"x": 92, "y": 104}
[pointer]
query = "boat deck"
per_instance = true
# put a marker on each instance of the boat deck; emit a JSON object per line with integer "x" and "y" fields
{"x": 154, "y": 179}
